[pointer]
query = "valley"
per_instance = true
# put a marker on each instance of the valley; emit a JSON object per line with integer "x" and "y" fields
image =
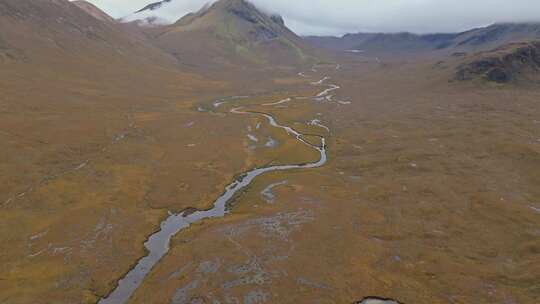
{"x": 411, "y": 217}
{"x": 158, "y": 243}
{"x": 253, "y": 165}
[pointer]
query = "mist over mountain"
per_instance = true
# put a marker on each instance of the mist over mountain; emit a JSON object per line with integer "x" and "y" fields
{"x": 473, "y": 40}
{"x": 322, "y": 17}
{"x": 230, "y": 32}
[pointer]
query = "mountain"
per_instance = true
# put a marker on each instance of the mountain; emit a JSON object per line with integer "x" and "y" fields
{"x": 413, "y": 44}
{"x": 496, "y": 35}
{"x": 93, "y": 10}
{"x": 155, "y": 13}
{"x": 55, "y": 46}
{"x": 515, "y": 62}
{"x": 71, "y": 85}
{"x": 57, "y": 33}
{"x": 233, "y": 33}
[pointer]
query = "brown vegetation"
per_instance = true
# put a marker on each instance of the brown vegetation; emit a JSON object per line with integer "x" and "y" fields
{"x": 430, "y": 194}
{"x": 510, "y": 63}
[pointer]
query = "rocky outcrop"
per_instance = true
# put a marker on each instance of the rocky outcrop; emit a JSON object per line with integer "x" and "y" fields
{"x": 510, "y": 63}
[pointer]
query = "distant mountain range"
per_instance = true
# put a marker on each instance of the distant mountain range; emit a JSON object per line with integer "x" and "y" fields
{"x": 232, "y": 34}
{"x": 236, "y": 33}
{"x": 407, "y": 43}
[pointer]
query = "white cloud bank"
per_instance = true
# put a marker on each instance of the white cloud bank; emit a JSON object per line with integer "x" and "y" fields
{"x": 337, "y": 17}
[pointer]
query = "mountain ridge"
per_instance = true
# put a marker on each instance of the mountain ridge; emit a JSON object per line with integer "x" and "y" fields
{"x": 478, "y": 39}
{"x": 93, "y": 10}
{"x": 233, "y": 33}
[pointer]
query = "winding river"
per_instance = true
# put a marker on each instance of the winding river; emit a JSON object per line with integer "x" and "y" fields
{"x": 157, "y": 244}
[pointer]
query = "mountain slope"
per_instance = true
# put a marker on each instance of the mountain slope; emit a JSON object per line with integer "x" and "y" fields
{"x": 70, "y": 87}
{"x": 233, "y": 33}
{"x": 55, "y": 32}
{"x": 93, "y": 10}
{"x": 496, "y": 35}
{"x": 514, "y": 62}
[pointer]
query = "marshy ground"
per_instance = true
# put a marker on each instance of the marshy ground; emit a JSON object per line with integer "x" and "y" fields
{"x": 430, "y": 194}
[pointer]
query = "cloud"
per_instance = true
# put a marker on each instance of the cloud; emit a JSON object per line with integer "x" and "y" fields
{"x": 342, "y": 16}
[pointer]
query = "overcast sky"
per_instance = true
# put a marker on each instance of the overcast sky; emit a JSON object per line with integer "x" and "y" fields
{"x": 336, "y": 17}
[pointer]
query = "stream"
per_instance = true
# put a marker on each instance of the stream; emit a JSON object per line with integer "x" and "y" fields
{"x": 158, "y": 243}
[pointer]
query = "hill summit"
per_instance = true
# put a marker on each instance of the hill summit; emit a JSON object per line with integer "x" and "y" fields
{"x": 232, "y": 32}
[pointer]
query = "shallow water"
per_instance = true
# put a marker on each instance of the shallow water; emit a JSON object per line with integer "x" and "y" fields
{"x": 332, "y": 87}
{"x": 268, "y": 194}
{"x": 277, "y": 102}
{"x": 317, "y": 122}
{"x": 221, "y": 101}
{"x": 377, "y": 301}
{"x": 271, "y": 143}
{"x": 320, "y": 81}
{"x": 158, "y": 243}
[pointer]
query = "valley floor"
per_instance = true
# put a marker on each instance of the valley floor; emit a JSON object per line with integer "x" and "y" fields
{"x": 430, "y": 194}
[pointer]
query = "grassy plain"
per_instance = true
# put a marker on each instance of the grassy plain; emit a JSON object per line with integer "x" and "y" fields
{"x": 430, "y": 196}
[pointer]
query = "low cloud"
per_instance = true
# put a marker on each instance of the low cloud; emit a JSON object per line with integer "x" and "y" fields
{"x": 336, "y": 17}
